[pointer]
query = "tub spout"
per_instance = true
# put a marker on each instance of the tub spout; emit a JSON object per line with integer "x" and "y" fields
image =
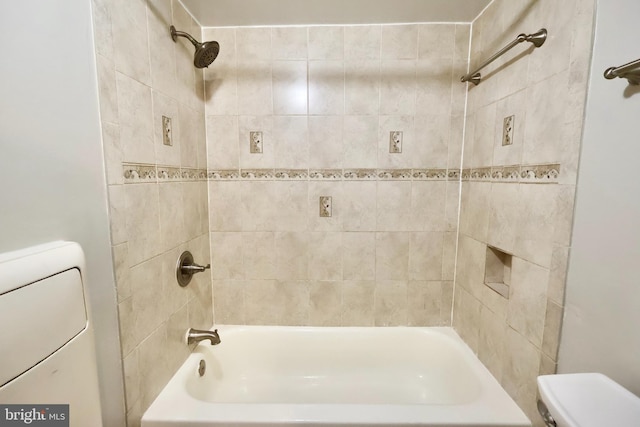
{"x": 196, "y": 335}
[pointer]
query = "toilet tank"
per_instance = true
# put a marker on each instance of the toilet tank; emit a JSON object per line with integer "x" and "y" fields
{"x": 47, "y": 354}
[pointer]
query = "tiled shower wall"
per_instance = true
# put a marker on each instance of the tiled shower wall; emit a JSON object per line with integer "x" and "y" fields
{"x": 518, "y": 198}
{"x": 157, "y": 192}
{"x": 320, "y": 104}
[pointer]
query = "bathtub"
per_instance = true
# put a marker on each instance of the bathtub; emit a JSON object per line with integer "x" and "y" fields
{"x": 308, "y": 376}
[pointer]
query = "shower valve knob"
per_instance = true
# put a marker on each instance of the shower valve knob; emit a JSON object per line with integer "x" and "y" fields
{"x": 186, "y": 268}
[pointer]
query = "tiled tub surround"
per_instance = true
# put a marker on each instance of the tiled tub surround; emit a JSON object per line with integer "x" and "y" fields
{"x": 326, "y": 101}
{"x": 157, "y": 192}
{"x": 544, "y": 89}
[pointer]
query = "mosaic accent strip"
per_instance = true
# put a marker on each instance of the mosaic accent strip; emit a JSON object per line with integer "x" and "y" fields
{"x": 535, "y": 174}
{"x": 358, "y": 174}
{"x": 295, "y": 174}
{"x": 257, "y": 173}
{"x": 167, "y": 173}
{"x": 525, "y": 174}
{"x": 136, "y": 173}
{"x": 224, "y": 174}
{"x": 429, "y": 174}
{"x": 395, "y": 174}
{"x": 328, "y": 174}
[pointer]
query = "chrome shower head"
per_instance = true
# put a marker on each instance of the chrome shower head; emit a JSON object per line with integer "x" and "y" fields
{"x": 205, "y": 53}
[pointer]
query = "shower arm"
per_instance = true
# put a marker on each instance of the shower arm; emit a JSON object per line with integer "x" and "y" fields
{"x": 175, "y": 34}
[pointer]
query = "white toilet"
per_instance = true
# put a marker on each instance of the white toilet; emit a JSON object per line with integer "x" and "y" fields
{"x": 586, "y": 400}
{"x": 47, "y": 356}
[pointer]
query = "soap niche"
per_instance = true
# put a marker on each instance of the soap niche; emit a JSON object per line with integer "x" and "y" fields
{"x": 497, "y": 271}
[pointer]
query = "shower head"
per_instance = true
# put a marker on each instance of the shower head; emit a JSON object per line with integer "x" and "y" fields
{"x": 206, "y": 52}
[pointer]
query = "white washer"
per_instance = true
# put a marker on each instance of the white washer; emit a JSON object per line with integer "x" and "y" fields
{"x": 47, "y": 353}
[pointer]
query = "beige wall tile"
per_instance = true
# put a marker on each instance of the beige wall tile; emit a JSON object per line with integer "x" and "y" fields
{"x": 504, "y": 214}
{"x": 130, "y": 39}
{"x": 428, "y": 205}
{"x": 253, "y": 43}
{"x": 121, "y": 268}
{"x": 172, "y": 222}
{"x": 527, "y": 299}
{"x": 360, "y": 141}
{"x": 424, "y": 299}
{"x": 227, "y": 255}
{"x": 437, "y": 41}
{"x": 394, "y": 206}
{"x": 326, "y": 43}
{"x": 358, "y": 303}
{"x": 362, "y": 42}
{"x": 257, "y": 209}
{"x": 359, "y": 256}
{"x": 491, "y": 341}
{"x": 558, "y": 274}
{"x": 289, "y": 87}
{"x": 325, "y": 142}
{"x": 397, "y": 87}
{"x": 362, "y": 86}
{"x": 325, "y": 256}
{"x": 177, "y": 349}
{"x": 255, "y": 96}
{"x": 112, "y": 153}
{"x": 153, "y": 365}
{"x": 107, "y": 89}
{"x": 291, "y": 204}
{"x": 434, "y": 87}
{"x": 521, "y": 369}
{"x": 127, "y": 324}
{"x": 101, "y": 10}
{"x": 390, "y": 303}
{"x": 291, "y": 142}
{"x": 392, "y": 256}
{"x": 142, "y": 204}
{"x": 431, "y": 142}
{"x": 294, "y": 297}
{"x": 326, "y": 87}
{"x": 228, "y": 302}
{"x": 399, "y": 41}
{"x": 258, "y": 255}
{"x": 289, "y": 42}
{"x": 425, "y": 256}
{"x": 325, "y": 304}
{"x": 131, "y": 379}
{"x": 292, "y": 256}
{"x": 359, "y": 210}
{"x": 223, "y": 143}
{"x": 552, "y": 326}
{"x": 135, "y": 118}
{"x": 225, "y": 205}
{"x": 162, "y": 55}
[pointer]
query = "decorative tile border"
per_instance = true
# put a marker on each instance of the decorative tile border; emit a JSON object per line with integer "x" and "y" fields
{"x": 137, "y": 173}
{"x": 525, "y": 174}
{"x": 534, "y": 174}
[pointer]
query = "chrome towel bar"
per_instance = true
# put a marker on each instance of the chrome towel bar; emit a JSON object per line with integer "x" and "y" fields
{"x": 630, "y": 71}
{"x": 537, "y": 39}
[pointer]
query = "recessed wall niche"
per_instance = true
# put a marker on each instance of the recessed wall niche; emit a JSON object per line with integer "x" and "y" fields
{"x": 497, "y": 271}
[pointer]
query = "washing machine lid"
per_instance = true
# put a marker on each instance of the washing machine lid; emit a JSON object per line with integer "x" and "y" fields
{"x": 589, "y": 400}
{"x": 42, "y": 304}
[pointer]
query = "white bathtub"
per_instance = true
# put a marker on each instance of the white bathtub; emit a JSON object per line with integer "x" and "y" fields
{"x": 306, "y": 376}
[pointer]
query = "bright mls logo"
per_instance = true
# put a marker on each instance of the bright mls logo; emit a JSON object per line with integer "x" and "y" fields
{"x": 34, "y": 415}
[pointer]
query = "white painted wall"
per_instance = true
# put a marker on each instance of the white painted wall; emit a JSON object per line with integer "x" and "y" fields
{"x": 52, "y": 182}
{"x": 601, "y": 329}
